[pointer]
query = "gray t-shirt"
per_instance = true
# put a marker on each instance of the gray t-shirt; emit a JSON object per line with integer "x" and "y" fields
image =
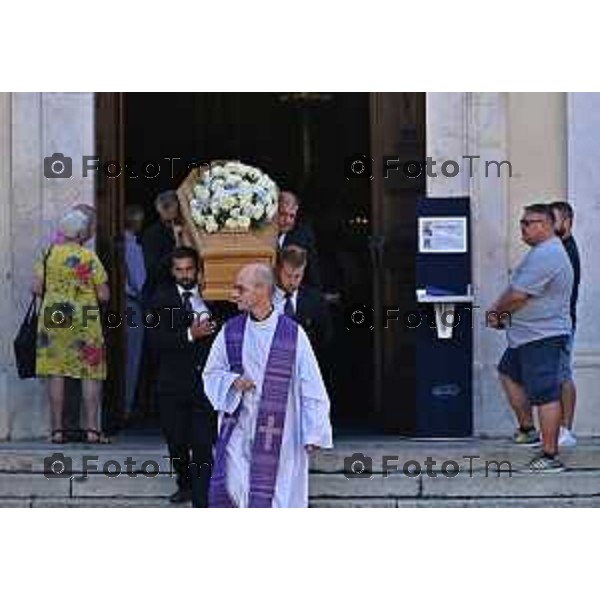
{"x": 547, "y": 276}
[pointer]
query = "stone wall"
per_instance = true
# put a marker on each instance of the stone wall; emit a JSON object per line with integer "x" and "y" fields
{"x": 550, "y": 139}
{"x": 33, "y": 126}
{"x": 583, "y": 181}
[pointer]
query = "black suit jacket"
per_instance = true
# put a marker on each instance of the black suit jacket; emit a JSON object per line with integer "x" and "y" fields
{"x": 157, "y": 244}
{"x": 302, "y": 235}
{"x": 312, "y": 313}
{"x": 186, "y": 414}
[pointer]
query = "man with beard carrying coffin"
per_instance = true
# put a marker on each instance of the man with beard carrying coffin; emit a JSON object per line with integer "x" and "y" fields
{"x": 263, "y": 378}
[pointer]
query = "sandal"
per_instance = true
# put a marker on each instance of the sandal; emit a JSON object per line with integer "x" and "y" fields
{"x": 57, "y": 436}
{"x": 93, "y": 436}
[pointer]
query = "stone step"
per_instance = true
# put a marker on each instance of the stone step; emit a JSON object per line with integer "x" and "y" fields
{"x": 25, "y": 479}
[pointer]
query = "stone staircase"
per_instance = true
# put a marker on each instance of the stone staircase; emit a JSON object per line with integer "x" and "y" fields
{"x": 463, "y": 473}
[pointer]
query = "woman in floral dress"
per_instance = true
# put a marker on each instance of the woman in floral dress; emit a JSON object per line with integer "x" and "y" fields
{"x": 70, "y": 341}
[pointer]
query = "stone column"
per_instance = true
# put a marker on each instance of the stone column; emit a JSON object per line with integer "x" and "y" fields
{"x": 5, "y": 260}
{"x": 475, "y": 124}
{"x": 583, "y": 178}
{"x": 489, "y": 186}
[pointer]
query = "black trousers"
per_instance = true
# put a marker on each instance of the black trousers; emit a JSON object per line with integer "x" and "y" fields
{"x": 190, "y": 432}
{"x": 192, "y": 466}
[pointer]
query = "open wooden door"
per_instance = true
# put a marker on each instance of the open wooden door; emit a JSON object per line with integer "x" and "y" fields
{"x": 397, "y": 132}
{"x": 110, "y": 207}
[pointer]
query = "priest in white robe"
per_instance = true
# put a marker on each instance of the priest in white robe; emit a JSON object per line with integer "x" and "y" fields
{"x": 272, "y": 402}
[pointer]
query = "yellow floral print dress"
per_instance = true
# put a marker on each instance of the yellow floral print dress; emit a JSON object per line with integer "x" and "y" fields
{"x": 73, "y": 347}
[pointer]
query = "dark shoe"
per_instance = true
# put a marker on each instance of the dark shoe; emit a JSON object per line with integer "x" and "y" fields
{"x": 93, "y": 436}
{"x": 58, "y": 436}
{"x": 545, "y": 464}
{"x": 180, "y": 496}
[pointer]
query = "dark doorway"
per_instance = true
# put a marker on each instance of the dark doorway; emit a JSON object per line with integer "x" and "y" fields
{"x": 364, "y": 227}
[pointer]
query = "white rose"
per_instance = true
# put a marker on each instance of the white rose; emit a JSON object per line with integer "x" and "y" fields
{"x": 248, "y": 210}
{"x": 235, "y": 213}
{"x": 215, "y": 207}
{"x": 217, "y": 171}
{"x": 210, "y": 224}
{"x": 245, "y": 187}
{"x": 258, "y": 212}
{"x": 244, "y": 222}
{"x": 216, "y": 184}
{"x": 201, "y": 192}
{"x": 231, "y": 223}
{"x": 232, "y": 181}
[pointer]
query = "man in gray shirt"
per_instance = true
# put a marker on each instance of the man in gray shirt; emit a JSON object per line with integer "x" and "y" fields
{"x": 533, "y": 368}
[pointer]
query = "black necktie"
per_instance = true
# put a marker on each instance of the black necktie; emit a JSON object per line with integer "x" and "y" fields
{"x": 288, "y": 309}
{"x": 187, "y": 307}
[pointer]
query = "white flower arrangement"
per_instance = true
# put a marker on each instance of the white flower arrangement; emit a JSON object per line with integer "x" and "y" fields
{"x": 232, "y": 196}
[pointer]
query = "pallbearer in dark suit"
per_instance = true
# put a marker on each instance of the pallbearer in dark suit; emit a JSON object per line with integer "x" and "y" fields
{"x": 160, "y": 239}
{"x": 180, "y": 345}
{"x": 291, "y": 232}
{"x": 303, "y": 303}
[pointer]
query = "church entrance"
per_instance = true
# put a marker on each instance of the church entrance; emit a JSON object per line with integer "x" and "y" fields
{"x": 364, "y": 222}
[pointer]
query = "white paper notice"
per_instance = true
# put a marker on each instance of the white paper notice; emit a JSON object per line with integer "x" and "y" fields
{"x": 443, "y": 234}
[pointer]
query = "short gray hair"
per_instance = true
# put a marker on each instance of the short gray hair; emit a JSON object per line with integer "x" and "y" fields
{"x": 75, "y": 224}
{"x": 166, "y": 198}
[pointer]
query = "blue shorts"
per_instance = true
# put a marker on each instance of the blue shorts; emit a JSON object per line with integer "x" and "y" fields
{"x": 541, "y": 367}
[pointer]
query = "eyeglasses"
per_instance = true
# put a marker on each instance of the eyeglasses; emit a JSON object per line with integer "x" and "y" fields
{"x": 528, "y": 222}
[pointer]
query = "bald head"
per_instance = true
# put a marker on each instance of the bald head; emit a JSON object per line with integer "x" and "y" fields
{"x": 260, "y": 274}
{"x": 253, "y": 289}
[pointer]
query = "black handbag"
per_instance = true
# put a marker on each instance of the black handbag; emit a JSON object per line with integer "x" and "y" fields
{"x": 26, "y": 341}
{"x": 25, "y": 344}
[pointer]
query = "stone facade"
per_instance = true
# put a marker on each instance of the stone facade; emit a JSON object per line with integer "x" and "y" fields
{"x": 550, "y": 139}
{"x": 33, "y": 126}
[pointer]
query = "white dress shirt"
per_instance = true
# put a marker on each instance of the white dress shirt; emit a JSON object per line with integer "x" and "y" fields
{"x": 279, "y": 300}
{"x": 198, "y": 306}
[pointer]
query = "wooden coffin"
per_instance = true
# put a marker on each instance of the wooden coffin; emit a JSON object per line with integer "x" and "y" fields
{"x": 225, "y": 252}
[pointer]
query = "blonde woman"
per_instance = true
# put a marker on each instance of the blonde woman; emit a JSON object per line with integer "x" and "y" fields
{"x": 70, "y": 341}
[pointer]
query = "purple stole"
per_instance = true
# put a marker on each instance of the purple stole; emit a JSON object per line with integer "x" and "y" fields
{"x": 270, "y": 420}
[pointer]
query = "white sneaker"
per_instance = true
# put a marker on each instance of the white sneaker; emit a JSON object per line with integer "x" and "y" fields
{"x": 566, "y": 438}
